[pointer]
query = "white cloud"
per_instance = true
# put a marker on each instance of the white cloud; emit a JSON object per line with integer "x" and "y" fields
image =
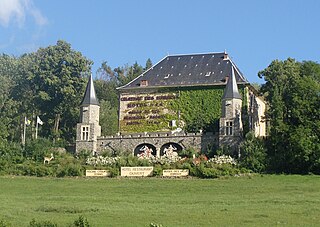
{"x": 17, "y": 11}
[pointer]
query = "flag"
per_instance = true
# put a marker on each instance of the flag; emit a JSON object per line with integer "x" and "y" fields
{"x": 26, "y": 121}
{"x": 39, "y": 121}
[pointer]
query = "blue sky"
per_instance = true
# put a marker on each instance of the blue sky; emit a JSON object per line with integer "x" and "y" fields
{"x": 253, "y": 32}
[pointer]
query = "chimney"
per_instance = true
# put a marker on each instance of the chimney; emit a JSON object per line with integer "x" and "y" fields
{"x": 225, "y": 56}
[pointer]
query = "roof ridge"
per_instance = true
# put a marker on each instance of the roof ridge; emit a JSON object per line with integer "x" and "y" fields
{"x": 207, "y": 53}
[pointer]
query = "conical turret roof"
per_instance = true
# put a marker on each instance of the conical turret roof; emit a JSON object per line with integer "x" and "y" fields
{"x": 231, "y": 91}
{"x": 90, "y": 97}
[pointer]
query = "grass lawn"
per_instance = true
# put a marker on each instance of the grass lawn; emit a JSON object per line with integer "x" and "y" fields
{"x": 266, "y": 200}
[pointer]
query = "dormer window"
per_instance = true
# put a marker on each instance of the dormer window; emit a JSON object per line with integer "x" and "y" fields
{"x": 143, "y": 83}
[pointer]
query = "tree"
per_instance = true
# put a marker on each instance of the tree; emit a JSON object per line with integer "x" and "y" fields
{"x": 253, "y": 153}
{"x": 292, "y": 91}
{"x": 108, "y": 118}
{"x": 8, "y": 107}
{"x": 106, "y": 89}
{"x": 51, "y": 83}
{"x": 148, "y": 64}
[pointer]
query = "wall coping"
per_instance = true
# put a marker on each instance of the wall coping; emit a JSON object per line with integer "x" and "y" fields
{"x": 157, "y": 135}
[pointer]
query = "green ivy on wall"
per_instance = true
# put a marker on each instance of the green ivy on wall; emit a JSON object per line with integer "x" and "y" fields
{"x": 199, "y": 109}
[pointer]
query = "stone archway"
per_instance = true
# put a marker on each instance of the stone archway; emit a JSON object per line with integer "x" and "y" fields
{"x": 175, "y": 146}
{"x": 145, "y": 148}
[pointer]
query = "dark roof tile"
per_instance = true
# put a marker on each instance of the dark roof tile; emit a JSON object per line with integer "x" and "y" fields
{"x": 188, "y": 70}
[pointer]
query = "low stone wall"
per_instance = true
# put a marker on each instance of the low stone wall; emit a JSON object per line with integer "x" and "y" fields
{"x": 199, "y": 141}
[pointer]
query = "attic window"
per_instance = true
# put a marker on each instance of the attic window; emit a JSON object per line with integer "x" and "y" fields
{"x": 208, "y": 74}
{"x": 218, "y": 63}
{"x": 220, "y": 71}
{"x": 171, "y": 67}
{"x": 167, "y": 59}
{"x": 185, "y": 66}
{"x": 179, "y": 74}
{"x": 212, "y": 56}
{"x": 196, "y": 65}
{"x": 143, "y": 83}
{"x": 202, "y": 56}
{"x": 207, "y": 64}
{"x": 189, "y": 74}
{"x": 191, "y": 57}
{"x": 200, "y": 74}
{"x": 161, "y": 67}
{"x": 178, "y": 58}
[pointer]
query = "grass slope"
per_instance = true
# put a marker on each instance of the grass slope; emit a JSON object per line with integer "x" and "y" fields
{"x": 267, "y": 200}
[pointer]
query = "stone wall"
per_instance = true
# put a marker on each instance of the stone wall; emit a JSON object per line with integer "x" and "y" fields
{"x": 199, "y": 141}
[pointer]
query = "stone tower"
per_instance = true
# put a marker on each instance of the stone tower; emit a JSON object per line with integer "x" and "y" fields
{"x": 88, "y": 129}
{"x": 230, "y": 132}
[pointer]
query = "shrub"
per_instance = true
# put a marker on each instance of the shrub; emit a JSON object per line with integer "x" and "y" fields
{"x": 70, "y": 169}
{"x": 188, "y": 153}
{"x": 114, "y": 171}
{"x": 80, "y": 222}
{"x": 37, "y": 149}
{"x": 157, "y": 170}
{"x": 205, "y": 172}
{"x": 4, "y": 223}
{"x": 35, "y": 223}
{"x": 253, "y": 153}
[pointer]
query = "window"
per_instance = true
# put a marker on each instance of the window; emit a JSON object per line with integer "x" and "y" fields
{"x": 229, "y": 126}
{"x": 85, "y": 133}
{"x": 143, "y": 83}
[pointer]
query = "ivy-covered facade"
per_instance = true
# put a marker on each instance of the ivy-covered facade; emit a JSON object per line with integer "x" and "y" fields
{"x": 197, "y": 93}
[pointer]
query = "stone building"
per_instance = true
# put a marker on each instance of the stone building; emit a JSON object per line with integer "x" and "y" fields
{"x": 205, "y": 94}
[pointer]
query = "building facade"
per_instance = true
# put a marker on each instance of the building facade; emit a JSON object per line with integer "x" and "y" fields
{"x": 197, "y": 100}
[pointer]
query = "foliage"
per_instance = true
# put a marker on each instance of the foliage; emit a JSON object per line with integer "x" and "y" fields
{"x": 35, "y": 223}
{"x": 4, "y": 223}
{"x": 200, "y": 108}
{"x": 37, "y": 149}
{"x": 292, "y": 91}
{"x": 8, "y": 107}
{"x": 108, "y": 118}
{"x": 81, "y": 222}
{"x": 51, "y": 82}
{"x": 253, "y": 153}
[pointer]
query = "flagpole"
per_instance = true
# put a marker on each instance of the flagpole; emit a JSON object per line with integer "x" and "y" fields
{"x": 37, "y": 128}
{"x": 24, "y": 131}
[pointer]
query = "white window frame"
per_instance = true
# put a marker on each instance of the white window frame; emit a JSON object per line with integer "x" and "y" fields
{"x": 229, "y": 128}
{"x": 85, "y": 130}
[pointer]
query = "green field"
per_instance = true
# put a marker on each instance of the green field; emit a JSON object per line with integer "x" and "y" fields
{"x": 266, "y": 200}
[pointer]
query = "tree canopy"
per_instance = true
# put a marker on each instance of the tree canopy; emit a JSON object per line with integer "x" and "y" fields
{"x": 292, "y": 90}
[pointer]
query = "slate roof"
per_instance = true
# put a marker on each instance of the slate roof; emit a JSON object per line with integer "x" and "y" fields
{"x": 188, "y": 70}
{"x": 231, "y": 91}
{"x": 90, "y": 97}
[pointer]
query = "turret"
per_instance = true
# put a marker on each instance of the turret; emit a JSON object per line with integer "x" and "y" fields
{"x": 230, "y": 122}
{"x": 88, "y": 129}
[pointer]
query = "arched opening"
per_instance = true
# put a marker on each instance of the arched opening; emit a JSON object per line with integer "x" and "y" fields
{"x": 145, "y": 150}
{"x": 170, "y": 147}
